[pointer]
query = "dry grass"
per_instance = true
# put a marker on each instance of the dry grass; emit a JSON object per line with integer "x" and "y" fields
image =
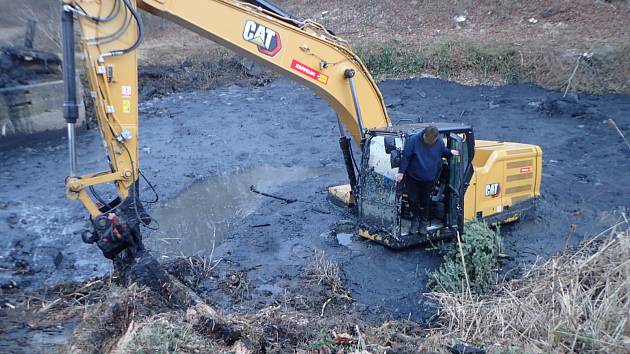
{"x": 106, "y": 321}
{"x": 602, "y": 69}
{"x": 39, "y": 311}
{"x": 327, "y": 272}
{"x": 577, "y": 302}
{"x": 163, "y": 333}
{"x": 572, "y": 303}
{"x": 201, "y": 329}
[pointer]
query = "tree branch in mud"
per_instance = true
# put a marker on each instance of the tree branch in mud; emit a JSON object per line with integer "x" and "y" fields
{"x": 286, "y": 200}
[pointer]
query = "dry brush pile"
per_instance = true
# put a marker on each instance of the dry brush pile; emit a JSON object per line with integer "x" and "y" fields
{"x": 577, "y": 302}
{"x": 138, "y": 319}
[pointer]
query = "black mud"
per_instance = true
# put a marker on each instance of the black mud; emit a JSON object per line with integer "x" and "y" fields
{"x": 22, "y": 66}
{"x": 285, "y": 139}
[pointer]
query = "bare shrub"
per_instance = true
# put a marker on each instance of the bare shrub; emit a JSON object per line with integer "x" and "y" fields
{"x": 326, "y": 272}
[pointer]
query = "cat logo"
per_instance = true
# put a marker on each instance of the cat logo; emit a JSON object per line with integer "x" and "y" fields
{"x": 492, "y": 190}
{"x": 267, "y": 40}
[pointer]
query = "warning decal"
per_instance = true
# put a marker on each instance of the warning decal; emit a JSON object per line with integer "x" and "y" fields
{"x": 126, "y": 91}
{"x": 308, "y": 71}
{"x": 126, "y": 106}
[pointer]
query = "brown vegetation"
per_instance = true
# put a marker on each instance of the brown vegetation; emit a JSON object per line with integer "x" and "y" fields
{"x": 326, "y": 272}
{"x": 139, "y": 320}
{"x": 576, "y": 302}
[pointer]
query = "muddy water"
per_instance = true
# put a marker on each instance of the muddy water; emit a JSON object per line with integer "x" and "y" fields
{"x": 201, "y": 217}
{"x": 344, "y": 239}
{"x": 35, "y": 340}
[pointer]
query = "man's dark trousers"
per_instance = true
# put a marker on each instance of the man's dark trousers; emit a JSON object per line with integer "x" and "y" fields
{"x": 419, "y": 194}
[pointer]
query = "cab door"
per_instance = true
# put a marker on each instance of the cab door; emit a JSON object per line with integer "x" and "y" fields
{"x": 456, "y": 182}
{"x": 380, "y": 195}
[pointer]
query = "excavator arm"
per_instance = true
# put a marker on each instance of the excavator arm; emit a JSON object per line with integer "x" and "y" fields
{"x": 110, "y": 33}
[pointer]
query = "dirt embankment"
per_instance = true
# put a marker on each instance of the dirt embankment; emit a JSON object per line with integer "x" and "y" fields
{"x": 488, "y": 41}
{"x": 580, "y": 45}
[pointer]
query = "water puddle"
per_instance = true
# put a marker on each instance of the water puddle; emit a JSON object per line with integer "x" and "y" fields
{"x": 344, "y": 239}
{"x": 198, "y": 219}
{"x": 43, "y": 340}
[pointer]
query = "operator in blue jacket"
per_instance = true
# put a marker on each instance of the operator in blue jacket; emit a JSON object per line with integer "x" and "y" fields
{"x": 419, "y": 168}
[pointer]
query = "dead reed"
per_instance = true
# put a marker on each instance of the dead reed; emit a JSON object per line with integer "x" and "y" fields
{"x": 578, "y": 302}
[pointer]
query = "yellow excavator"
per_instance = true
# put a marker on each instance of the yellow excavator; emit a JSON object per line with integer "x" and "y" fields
{"x": 489, "y": 180}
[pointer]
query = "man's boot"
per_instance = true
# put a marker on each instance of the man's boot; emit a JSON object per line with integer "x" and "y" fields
{"x": 415, "y": 224}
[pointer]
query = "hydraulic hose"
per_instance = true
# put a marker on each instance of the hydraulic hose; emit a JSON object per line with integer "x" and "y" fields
{"x": 140, "y": 24}
{"x": 140, "y": 37}
{"x": 113, "y": 36}
{"x": 112, "y": 15}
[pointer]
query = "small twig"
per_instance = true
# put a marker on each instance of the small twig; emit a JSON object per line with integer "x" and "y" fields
{"x": 49, "y": 305}
{"x": 214, "y": 240}
{"x": 90, "y": 284}
{"x": 324, "y": 307}
{"x": 577, "y": 65}
{"x": 461, "y": 252}
{"x": 360, "y": 340}
{"x": 216, "y": 264}
{"x": 612, "y": 122}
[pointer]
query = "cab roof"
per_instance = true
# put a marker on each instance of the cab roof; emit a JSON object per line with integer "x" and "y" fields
{"x": 416, "y": 127}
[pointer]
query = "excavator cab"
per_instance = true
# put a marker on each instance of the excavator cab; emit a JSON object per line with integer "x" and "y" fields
{"x": 383, "y": 207}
